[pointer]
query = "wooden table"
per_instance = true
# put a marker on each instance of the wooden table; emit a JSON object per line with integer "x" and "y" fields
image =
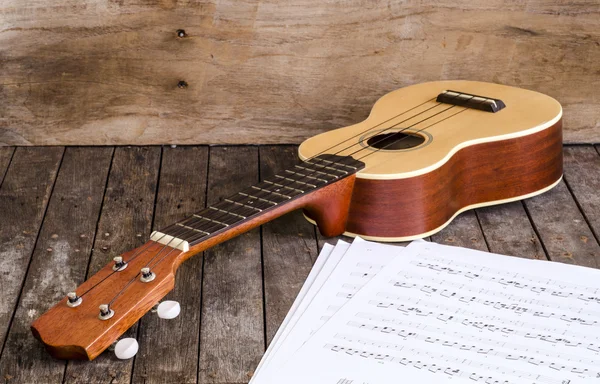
{"x": 66, "y": 212}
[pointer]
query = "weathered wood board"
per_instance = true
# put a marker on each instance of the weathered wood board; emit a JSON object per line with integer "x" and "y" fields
{"x": 232, "y": 301}
{"x": 263, "y": 71}
{"x": 169, "y": 348}
{"x": 232, "y": 322}
{"x": 58, "y": 263}
{"x": 24, "y": 197}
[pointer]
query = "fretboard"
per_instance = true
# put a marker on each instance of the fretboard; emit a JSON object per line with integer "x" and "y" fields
{"x": 257, "y": 199}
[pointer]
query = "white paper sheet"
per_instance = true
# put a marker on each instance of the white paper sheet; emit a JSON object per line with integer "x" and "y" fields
{"x": 337, "y": 284}
{"x": 439, "y": 313}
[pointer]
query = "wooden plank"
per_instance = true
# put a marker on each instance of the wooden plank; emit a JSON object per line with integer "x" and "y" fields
{"x": 286, "y": 70}
{"x": 169, "y": 348}
{"x": 232, "y": 331}
{"x": 125, "y": 223}
{"x": 288, "y": 246}
{"x": 23, "y": 198}
{"x": 6, "y": 154}
{"x": 508, "y": 231}
{"x": 59, "y": 261}
{"x": 582, "y": 175}
{"x": 463, "y": 231}
{"x": 562, "y": 228}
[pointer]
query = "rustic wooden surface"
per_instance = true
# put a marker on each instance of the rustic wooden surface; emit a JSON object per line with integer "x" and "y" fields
{"x": 76, "y": 208}
{"x": 262, "y": 71}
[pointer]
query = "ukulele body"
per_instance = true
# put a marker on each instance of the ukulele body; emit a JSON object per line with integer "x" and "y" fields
{"x": 455, "y": 159}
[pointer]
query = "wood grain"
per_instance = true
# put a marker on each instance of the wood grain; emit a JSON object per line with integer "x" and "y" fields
{"x": 411, "y": 207}
{"x": 262, "y": 71}
{"x": 59, "y": 261}
{"x": 6, "y": 154}
{"x": 288, "y": 246}
{"x": 231, "y": 338}
{"x": 508, "y": 231}
{"x": 582, "y": 175}
{"x": 562, "y": 228}
{"x": 23, "y": 198}
{"x": 464, "y": 231}
{"x": 125, "y": 222}
{"x": 169, "y": 348}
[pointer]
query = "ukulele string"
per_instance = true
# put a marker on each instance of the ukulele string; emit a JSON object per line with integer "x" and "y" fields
{"x": 283, "y": 184}
{"x": 183, "y": 230}
{"x": 197, "y": 237}
{"x": 368, "y": 154}
{"x": 261, "y": 195}
{"x": 420, "y": 130}
{"x": 266, "y": 193}
{"x": 375, "y": 126}
{"x": 232, "y": 198}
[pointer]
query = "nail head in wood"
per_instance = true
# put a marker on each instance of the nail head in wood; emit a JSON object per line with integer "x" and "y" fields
{"x": 181, "y": 33}
{"x": 182, "y": 84}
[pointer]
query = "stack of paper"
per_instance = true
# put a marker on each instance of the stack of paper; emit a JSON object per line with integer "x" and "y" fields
{"x": 372, "y": 313}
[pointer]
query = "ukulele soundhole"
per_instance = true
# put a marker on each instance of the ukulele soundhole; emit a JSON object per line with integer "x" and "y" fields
{"x": 396, "y": 141}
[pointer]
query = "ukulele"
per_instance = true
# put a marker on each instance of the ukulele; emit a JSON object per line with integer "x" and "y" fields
{"x": 426, "y": 153}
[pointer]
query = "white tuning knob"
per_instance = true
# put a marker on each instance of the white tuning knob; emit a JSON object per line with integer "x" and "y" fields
{"x": 168, "y": 309}
{"x": 126, "y": 348}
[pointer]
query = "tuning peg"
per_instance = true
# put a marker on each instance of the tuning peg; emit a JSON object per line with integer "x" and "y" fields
{"x": 119, "y": 264}
{"x": 105, "y": 312}
{"x": 168, "y": 309}
{"x": 147, "y": 275}
{"x": 73, "y": 300}
{"x": 126, "y": 348}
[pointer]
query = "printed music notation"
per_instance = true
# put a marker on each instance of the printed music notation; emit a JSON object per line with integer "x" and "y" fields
{"x": 439, "y": 363}
{"x": 418, "y": 330}
{"x": 435, "y": 313}
{"x": 504, "y": 277}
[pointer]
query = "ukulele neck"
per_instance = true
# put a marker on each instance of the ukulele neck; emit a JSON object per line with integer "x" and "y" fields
{"x": 322, "y": 186}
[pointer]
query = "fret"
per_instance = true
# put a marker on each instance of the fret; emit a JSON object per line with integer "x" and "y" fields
{"x": 218, "y": 215}
{"x": 255, "y": 210}
{"x": 257, "y": 198}
{"x": 239, "y": 217}
{"x": 337, "y": 161}
{"x": 341, "y": 173}
{"x": 236, "y": 209}
{"x": 296, "y": 181}
{"x": 324, "y": 181}
{"x": 268, "y": 194}
{"x": 321, "y": 166}
{"x": 274, "y": 195}
{"x": 210, "y": 220}
{"x": 295, "y": 191}
{"x": 193, "y": 229}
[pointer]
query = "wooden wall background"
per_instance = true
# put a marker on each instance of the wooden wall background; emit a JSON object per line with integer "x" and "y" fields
{"x": 264, "y": 71}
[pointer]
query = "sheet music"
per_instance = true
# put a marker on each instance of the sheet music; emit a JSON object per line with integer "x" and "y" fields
{"x": 439, "y": 313}
{"x": 348, "y": 268}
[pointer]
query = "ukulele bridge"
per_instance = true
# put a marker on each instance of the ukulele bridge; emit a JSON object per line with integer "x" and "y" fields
{"x": 461, "y": 99}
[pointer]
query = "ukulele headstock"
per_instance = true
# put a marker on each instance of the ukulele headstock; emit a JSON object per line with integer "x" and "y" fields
{"x": 75, "y": 327}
